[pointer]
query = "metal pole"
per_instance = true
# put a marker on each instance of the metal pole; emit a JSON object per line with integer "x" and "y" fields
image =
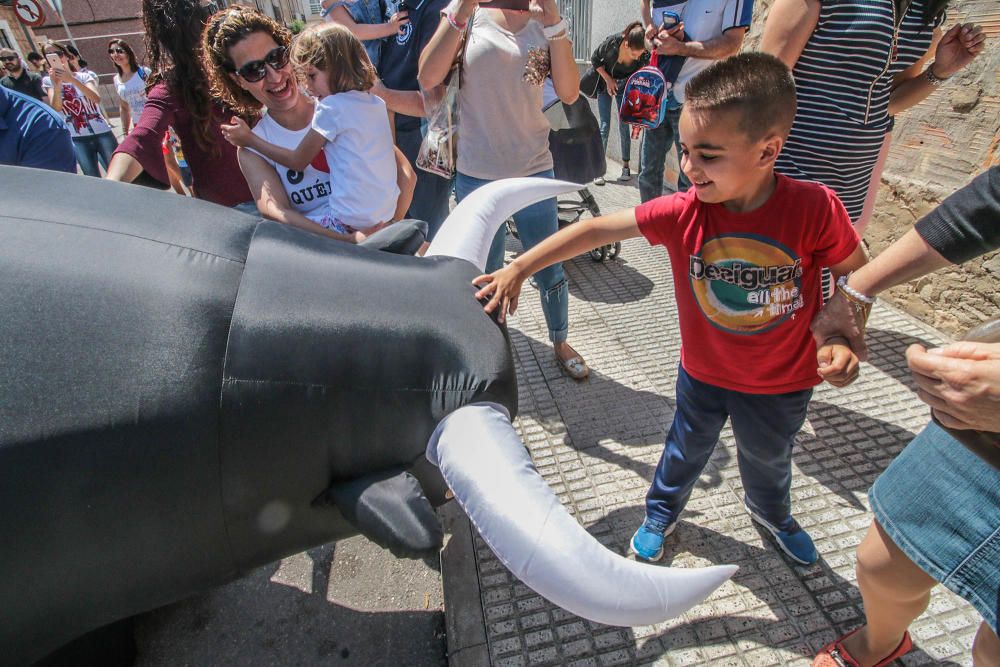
{"x": 57, "y": 5}
{"x": 27, "y": 35}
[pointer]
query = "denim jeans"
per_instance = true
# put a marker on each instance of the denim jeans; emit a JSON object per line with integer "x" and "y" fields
{"x": 430, "y": 197}
{"x": 655, "y": 146}
{"x": 764, "y": 425}
{"x": 92, "y": 148}
{"x": 604, "y": 108}
{"x": 534, "y": 224}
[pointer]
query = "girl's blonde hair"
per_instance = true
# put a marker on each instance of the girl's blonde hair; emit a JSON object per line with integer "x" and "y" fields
{"x": 333, "y": 49}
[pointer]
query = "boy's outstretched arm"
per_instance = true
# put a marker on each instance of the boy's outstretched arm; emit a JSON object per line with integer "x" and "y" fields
{"x": 502, "y": 287}
{"x": 240, "y": 134}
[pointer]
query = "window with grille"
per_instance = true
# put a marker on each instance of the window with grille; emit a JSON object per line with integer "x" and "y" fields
{"x": 315, "y": 7}
{"x": 579, "y": 14}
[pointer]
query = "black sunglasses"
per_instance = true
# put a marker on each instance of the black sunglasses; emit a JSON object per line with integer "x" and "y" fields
{"x": 115, "y": 50}
{"x": 255, "y": 70}
{"x": 8, "y": 59}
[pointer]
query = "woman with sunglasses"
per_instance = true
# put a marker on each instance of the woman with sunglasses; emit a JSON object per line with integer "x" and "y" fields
{"x": 247, "y": 60}
{"x": 75, "y": 94}
{"x": 130, "y": 82}
{"x": 178, "y": 96}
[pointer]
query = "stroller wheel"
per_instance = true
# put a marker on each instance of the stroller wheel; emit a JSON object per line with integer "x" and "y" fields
{"x": 614, "y": 250}
{"x": 599, "y": 254}
{"x": 512, "y": 229}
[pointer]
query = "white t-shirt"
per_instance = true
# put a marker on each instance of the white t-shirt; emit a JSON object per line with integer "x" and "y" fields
{"x": 704, "y": 20}
{"x": 309, "y": 190}
{"x": 83, "y": 117}
{"x": 359, "y": 148}
{"x": 133, "y": 92}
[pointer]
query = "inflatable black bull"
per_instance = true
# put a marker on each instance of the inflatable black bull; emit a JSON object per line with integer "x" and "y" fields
{"x": 187, "y": 392}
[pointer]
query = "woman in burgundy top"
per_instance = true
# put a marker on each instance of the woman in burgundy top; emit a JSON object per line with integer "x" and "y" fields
{"x": 178, "y": 96}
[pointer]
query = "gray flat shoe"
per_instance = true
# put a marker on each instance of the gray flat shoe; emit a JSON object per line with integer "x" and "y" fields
{"x": 575, "y": 367}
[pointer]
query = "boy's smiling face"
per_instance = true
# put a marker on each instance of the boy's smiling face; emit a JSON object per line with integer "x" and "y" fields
{"x": 724, "y": 164}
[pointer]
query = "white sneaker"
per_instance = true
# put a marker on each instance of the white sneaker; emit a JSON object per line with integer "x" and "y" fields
{"x": 599, "y": 180}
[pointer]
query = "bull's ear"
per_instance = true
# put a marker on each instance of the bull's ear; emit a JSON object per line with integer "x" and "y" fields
{"x": 389, "y": 508}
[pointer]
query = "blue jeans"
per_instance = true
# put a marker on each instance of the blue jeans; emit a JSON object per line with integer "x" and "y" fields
{"x": 93, "y": 147}
{"x": 655, "y": 145}
{"x": 430, "y": 197}
{"x": 534, "y": 224}
{"x": 604, "y": 107}
{"x": 764, "y": 425}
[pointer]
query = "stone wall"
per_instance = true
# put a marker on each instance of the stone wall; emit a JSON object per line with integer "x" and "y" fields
{"x": 937, "y": 147}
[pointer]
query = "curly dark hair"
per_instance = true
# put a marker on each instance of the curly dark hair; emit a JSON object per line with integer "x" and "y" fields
{"x": 226, "y": 28}
{"x": 173, "y": 47}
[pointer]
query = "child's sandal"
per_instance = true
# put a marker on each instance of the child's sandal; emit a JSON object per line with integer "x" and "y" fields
{"x": 835, "y": 655}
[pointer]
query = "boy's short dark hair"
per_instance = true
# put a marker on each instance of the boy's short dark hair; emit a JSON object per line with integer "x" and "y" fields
{"x": 757, "y": 85}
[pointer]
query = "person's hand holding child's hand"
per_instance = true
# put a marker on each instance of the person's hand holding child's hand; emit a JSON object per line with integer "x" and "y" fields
{"x": 503, "y": 288}
{"x": 836, "y": 362}
{"x": 238, "y": 133}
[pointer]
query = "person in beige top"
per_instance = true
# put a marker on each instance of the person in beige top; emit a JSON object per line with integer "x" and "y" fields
{"x": 504, "y": 133}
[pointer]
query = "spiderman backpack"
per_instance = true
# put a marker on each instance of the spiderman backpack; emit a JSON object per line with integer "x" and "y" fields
{"x": 644, "y": 101}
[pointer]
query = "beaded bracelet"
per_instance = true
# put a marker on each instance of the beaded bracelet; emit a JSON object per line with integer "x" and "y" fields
{"x": 861, "y": 302}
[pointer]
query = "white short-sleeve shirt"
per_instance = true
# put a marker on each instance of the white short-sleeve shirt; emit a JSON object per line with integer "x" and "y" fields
{"x": 359, "y": 151}
{"x": 308, "y": 190}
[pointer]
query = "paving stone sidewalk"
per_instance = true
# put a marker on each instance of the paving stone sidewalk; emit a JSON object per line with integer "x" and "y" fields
{"x": 597, "y": 443}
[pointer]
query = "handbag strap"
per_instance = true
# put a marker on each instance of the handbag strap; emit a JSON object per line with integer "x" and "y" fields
{"x": 461, "y": 49}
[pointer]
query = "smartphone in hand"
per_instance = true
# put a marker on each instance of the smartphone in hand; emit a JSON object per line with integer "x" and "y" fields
{"x": 670, "y": 20}
{"x": 53, "y": 59}
{"x": 517, "y": 5}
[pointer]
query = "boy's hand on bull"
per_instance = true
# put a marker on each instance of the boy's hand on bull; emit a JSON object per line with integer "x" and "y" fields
{"x": 502, "y": 288}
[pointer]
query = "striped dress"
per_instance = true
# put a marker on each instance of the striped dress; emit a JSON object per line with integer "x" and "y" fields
{"x": 843, "y": 80}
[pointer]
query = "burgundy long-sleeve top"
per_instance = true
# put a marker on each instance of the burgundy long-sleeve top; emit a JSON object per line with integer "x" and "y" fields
{"x": 216, "y": 172}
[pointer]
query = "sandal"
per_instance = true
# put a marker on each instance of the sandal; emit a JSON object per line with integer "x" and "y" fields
{"x": 575, "y": 367}
{"x": 835, "y": 655}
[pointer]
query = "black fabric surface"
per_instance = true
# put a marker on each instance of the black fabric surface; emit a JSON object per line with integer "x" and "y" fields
{"x": 178, "y": 381}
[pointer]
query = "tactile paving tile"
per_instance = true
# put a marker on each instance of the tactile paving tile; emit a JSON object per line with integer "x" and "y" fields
{"x": 597, "y": 443}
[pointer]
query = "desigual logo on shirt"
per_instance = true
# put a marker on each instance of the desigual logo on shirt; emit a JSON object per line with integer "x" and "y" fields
{"x": 746, "y": 284}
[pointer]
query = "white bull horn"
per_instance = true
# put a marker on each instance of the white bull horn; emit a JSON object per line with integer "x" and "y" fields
{"x": 469, "y": 230}
{"x": 491, "y": 474}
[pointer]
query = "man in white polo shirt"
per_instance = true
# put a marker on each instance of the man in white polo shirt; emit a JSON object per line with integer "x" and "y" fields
{"x": 710, "y": 30}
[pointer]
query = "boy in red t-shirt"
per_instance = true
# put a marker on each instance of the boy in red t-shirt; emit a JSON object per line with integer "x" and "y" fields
{"x": 746, "y": 247}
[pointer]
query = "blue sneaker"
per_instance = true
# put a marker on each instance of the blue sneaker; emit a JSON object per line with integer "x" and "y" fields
{"x": 794, "y": 541}
{"x": 647, "y": 543}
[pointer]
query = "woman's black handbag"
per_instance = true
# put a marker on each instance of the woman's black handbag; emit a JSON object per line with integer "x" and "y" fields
{"x": 592, "y": 83}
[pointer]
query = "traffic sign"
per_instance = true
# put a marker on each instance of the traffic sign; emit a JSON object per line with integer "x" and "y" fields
{"x": 29, "y": 12}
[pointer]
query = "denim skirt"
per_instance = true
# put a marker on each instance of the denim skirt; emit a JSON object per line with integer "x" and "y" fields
{"x": 940, "y": 504}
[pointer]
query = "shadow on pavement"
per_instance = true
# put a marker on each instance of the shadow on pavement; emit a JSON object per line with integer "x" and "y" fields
{"x": 887, "y": 352}
{"x": 625, "y": 416}
{"x": 774, "y": 603}
{"x": 257, "y": 621}
{"x": 850, "y": 449}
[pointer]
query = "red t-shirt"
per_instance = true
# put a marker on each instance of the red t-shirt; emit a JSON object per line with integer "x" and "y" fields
{"x": 748, "y": 284}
